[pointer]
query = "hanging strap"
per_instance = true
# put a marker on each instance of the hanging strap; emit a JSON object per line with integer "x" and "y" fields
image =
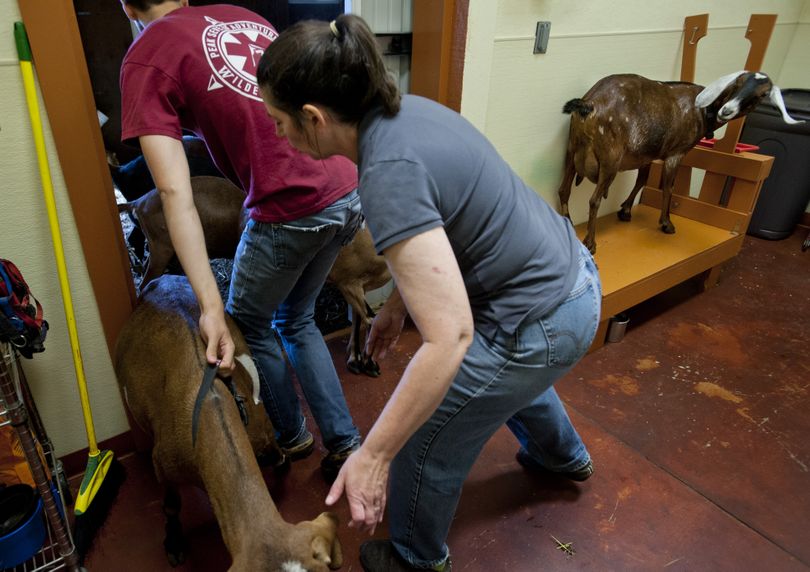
{"x": 205, "y": 387}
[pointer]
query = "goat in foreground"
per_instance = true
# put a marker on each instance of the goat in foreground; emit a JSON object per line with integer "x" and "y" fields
{"x": 159, "y": 362}
{"x": 357, "y": 270}
{"x": 626, "y": 121}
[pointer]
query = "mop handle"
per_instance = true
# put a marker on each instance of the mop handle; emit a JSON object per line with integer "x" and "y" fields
{"x": 24, "y": 52}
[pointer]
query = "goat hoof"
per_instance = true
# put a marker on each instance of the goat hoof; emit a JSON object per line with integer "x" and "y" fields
{"x": 355, "y": 366}
{"x": 272, "y": 458}
{"x": 371, "y": 368}
{"x": 283, "y": 466}
{"x": 177, "y": 559}
{"x": 668, "y": 228}
{"x": 624, "y": 216}
{"x": 175, "y": 551}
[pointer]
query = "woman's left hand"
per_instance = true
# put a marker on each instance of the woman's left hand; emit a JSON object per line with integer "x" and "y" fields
{"x": 364, "y": 479}
{"x": 386, "y": 327}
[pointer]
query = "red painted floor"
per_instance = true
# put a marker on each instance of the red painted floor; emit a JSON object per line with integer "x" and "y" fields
{"x": 697, "y": 423}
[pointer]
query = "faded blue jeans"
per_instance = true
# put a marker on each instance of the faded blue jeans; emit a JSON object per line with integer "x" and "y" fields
{"x": 278, "y": 272}
{"x": 509, "y": 380}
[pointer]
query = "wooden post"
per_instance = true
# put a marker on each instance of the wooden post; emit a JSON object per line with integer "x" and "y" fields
{"x": 65, "y": 84}
{"x": 694, "y": 28}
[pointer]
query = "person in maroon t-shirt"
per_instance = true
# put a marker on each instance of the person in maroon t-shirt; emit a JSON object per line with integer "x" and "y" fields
{"x": 194, "y": 69}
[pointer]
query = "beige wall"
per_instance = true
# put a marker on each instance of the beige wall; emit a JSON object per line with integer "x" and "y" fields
{"x": 796, "y": 69}
{"x": 25, "y": 239}
{"x": 516, "y": 97}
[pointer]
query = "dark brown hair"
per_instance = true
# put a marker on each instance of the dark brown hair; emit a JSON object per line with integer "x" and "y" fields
{"x": 144, "y": 5}
{"x": 341, "y": 69}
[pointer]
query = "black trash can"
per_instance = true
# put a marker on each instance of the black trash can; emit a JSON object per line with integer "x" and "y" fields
{"x": 786, "y": 192}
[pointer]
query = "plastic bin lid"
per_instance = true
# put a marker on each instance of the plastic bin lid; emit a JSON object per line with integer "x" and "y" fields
{"x": 797, "y": 103}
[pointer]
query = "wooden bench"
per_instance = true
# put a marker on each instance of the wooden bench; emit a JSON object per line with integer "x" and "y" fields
{"x": 637, "y": 261}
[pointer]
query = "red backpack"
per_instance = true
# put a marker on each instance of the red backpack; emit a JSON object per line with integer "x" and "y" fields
{"x": 21, "y": 321}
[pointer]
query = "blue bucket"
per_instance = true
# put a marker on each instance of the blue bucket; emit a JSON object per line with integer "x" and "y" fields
{"x": 25, "y": 540}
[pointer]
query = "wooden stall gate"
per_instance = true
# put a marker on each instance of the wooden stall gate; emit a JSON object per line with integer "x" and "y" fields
{"x": 636, "y": 260}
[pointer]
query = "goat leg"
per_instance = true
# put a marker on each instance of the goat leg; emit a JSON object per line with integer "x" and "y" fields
{"x": 354, "y": 361}
{"x": 174, "y": 543}
{"x": 670, "y": 168}
{"x": 624, "y": 213}
{"x": 370, "y": 367}
{"x": 565, "y": 187}
{"x": 605, "y": 179}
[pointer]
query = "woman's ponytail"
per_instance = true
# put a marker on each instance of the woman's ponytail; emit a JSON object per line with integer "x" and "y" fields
{"x": 336, "y": 64}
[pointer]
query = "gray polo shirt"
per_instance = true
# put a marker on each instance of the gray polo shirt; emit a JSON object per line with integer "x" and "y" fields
{"x": 429, "y": 167}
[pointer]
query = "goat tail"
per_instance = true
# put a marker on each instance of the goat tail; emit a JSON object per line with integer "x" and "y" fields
{"x": 579, "y": 105}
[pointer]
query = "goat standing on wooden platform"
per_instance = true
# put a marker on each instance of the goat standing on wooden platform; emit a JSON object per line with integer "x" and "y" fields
{"x": 626, "y": 122}
{"x": 159, "y": 362}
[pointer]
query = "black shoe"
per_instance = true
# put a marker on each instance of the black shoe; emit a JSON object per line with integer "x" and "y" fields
{"x": 380, "y": 556}
{"x": 299, "y": 449}
{"x": 579, "y": 475}
{"x": 331, "y": 464}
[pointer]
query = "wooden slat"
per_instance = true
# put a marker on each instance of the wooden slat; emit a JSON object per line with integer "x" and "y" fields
{"x": 750, "y": 166}
{"x": 744, "y": 195}
{"x": 694, "y": 28}
{"x": 711, "y": 191}
{"x": 697, "y": 210}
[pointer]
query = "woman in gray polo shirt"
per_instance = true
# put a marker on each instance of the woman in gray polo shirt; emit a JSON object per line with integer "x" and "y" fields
{"x": 505, "y": 297}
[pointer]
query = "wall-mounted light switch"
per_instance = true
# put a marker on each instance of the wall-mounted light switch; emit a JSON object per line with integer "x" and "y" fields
{"x": 541, "y": 37}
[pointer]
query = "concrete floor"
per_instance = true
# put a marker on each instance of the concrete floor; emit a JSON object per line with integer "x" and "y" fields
{"x": 697, "y": 423}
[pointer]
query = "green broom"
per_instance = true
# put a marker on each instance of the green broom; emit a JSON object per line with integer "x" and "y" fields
{"x": 104, "y": 474}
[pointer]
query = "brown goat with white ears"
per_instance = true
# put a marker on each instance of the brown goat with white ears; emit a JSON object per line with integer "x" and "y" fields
{"x": 159, "y": 362}
{"x": 626, "y": 122}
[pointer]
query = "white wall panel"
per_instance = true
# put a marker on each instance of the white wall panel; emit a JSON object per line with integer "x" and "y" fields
{"x": 516, "y": 96}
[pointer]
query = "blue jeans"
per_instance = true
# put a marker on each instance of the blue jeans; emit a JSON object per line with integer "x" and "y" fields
{"x": 278, "y": 272}
{"x": 509, "y": 380}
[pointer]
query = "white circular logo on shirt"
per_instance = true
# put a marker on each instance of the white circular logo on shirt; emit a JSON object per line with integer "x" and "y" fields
{"x": 233, "y": 50}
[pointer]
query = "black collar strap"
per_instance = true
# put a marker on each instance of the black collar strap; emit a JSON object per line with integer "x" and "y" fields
{"x": 205, "y": 387}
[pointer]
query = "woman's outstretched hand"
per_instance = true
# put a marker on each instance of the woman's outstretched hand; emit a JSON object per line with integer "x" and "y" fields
{"x": 364, "y": 480}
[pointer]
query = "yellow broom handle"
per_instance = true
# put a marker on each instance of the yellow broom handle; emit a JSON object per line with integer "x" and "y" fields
{"x": 53, "y": 222}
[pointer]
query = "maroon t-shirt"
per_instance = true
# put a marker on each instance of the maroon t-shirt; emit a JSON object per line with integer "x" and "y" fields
{"x": 195, "y": 69}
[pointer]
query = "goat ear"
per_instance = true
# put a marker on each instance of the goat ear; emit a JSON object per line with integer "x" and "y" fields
{"x": 776, "y": 98}
{"x": 712, "y": 91}
{"x": 325, "y": 543}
